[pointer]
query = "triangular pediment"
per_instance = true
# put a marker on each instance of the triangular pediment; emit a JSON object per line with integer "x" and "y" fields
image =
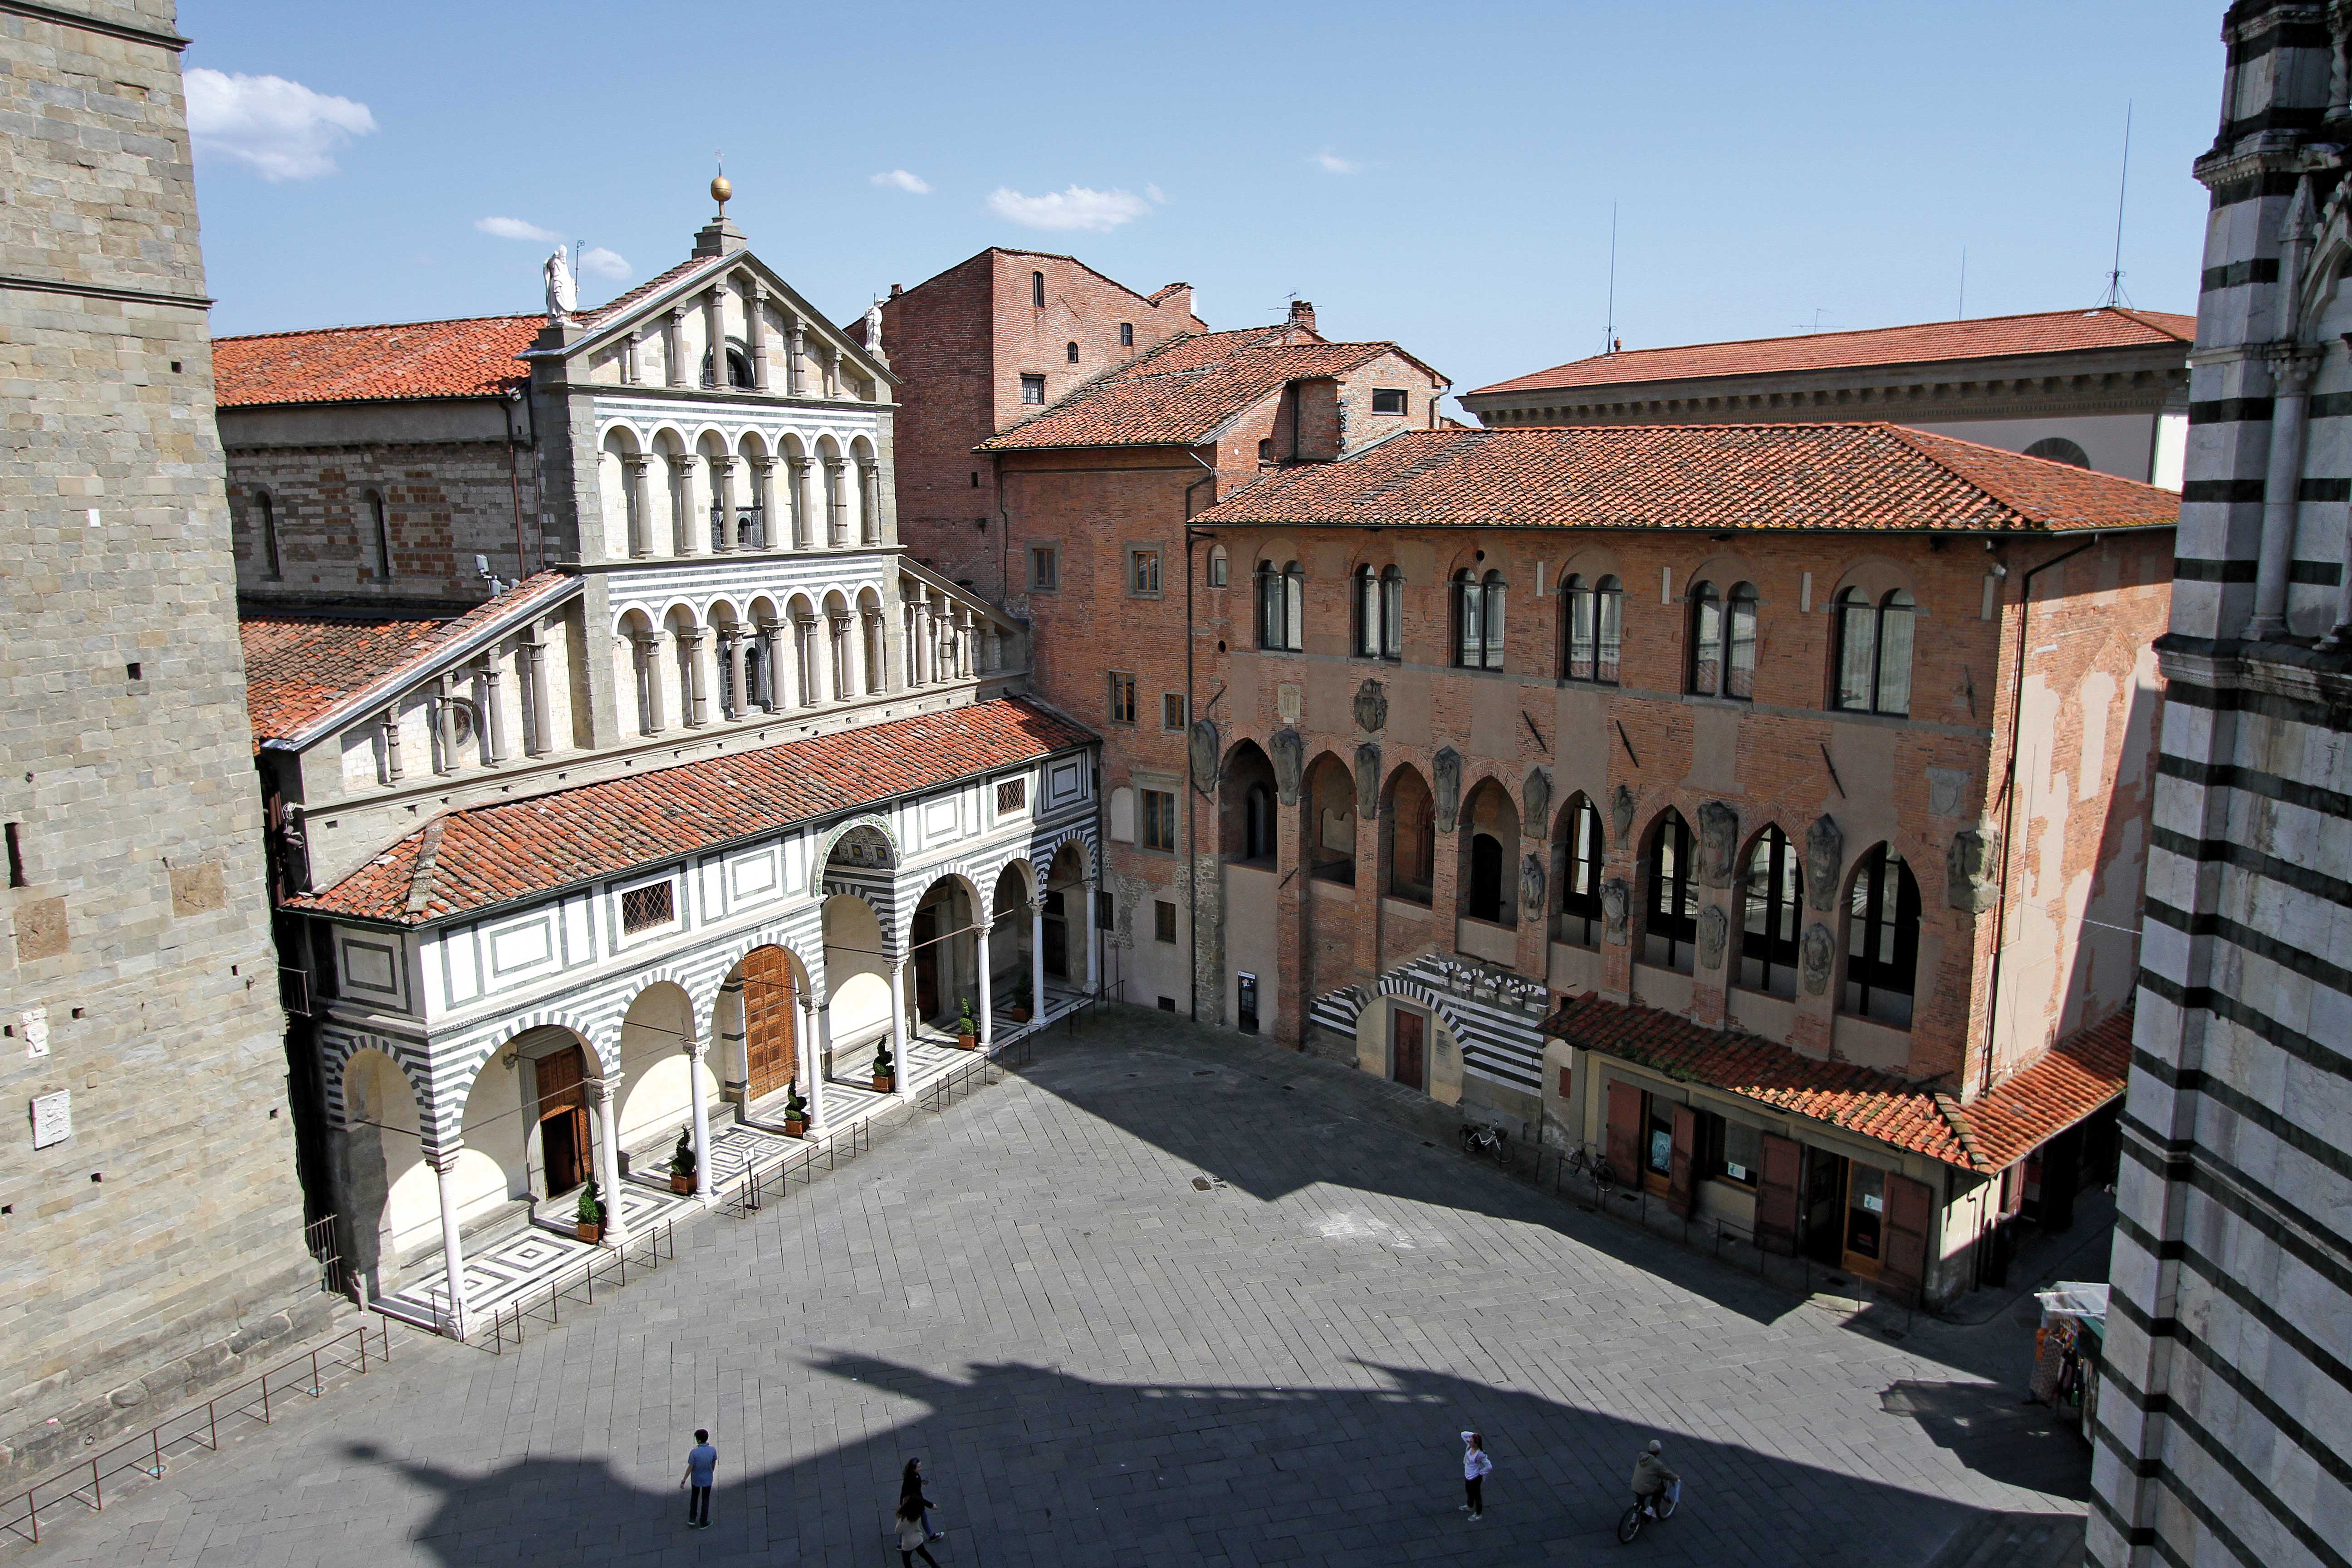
{"x": 646, "y": 303}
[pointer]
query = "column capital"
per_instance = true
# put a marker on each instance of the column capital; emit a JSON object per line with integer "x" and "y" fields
{"x": 724, "y": 462}
{"x": 636, "y": 462}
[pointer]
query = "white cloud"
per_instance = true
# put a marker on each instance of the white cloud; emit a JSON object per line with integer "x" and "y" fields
{"x": 900, "y": 180}
{"x": 1159, "y": 196}
{"x": 279, "y": 128}
{"x": 515, "y": 229}
{"x": 1332, "y": 163}
{"x": 1076, "y": 207}
{"x": 598, "y": 262}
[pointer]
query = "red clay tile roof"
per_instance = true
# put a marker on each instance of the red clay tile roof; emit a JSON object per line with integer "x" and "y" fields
{"x": 468, "y": 860}
{"x": 1860, "y": 475}
{"x": 2083, "y": 1073}
{"x": 1184, "y": 389}
{"x": 1986, "y": 337}
{"x": 621, "y": 303}
{"x": 299, "y": 670}
{"x": 472, "y": 358}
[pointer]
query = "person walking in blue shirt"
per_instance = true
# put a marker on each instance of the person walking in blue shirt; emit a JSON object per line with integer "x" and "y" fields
{"x": 702, "y": 1464}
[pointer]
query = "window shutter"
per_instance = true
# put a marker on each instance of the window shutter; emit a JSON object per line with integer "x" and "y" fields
{"x": 1625, "y": 1131}
{"x": 1776, "y": 1195}
{"x": 1682, "y": 1192}
{"x": 1910, "y": 1211}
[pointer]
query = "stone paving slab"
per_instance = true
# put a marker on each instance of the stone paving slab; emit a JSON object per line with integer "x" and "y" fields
{"x": 1100, "y": 1362}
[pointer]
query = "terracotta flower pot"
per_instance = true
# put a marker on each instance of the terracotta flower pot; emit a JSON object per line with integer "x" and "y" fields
{"x": 794, "y": 1126}
{"x": 967, "y": 1042}
{"x": 882, "y": 1082}
{"x": 592, "y": 1230}
{"x": 1018, "y": 1014}
{"x": 680, "y": 1184}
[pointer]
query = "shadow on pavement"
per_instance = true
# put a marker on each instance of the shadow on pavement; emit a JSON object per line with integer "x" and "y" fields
{"x": 1033, "y": 1466}
{"x": 1997, "y": 1433}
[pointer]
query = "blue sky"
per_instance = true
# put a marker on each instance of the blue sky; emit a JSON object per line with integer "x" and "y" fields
{"x": 1441, "y": 176}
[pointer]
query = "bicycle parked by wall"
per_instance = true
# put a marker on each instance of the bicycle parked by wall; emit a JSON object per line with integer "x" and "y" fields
{"x": 1487, "y": 1138}
{"x": 1588, "y": 1162}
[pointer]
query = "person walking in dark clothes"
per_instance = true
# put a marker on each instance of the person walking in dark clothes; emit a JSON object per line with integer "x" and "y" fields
{"x": 702, "y": 1464}
{"x": 910, "y": 1485}
{"x": 911, "y": 1533}
{"x": 1475, "y": 1467}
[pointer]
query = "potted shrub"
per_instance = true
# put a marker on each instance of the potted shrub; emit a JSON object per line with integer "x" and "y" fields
{"x": 886, "y": 1075}
{"x": 590, "y": 1214}
{"x": 967, "y": 1028}
{"x": 681, "y": 1162}
{"x": 1019, "y": 1011}
{"x": 795, "y": 1112}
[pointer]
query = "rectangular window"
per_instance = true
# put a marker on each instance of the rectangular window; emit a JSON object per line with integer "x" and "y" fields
{"x": 1741, "y": 1155}
{"x": 1143, "y": 573}
{"x": 1390, "y": 400}
{"x": 1122, "y": 698}
{"x": 1126, "y": 335}
{"x": 646, "y": 907}
{"x": 1032, "y": 389}
{"x": 1105, "y": 912}
{"x": 1159, "y": 819}
{"x": 1045, "y": 568}
{"x": 1163, "y": 921}
{"x": 1171, "y": 709}
{"x": 1012, "y": 795}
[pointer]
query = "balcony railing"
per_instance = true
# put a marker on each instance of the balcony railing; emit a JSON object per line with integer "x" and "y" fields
{"x": 750, "y": 528}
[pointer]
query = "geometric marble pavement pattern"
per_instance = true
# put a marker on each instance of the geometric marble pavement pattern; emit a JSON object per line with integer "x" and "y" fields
{"x": 1101, "y": 1362}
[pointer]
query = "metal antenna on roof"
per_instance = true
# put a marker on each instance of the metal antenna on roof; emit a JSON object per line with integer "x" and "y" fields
{"x": 2115, "y": 295}
{"x": 1609, "y": 334}
{"x": 1962, "y": 313}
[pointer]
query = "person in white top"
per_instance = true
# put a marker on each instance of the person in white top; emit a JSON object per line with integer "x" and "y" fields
{"x": 1474, "y": 1468}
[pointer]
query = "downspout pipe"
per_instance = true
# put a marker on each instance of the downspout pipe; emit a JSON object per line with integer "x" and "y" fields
{"x": 1191, "y": 784}
{"x": 2009, "y": 800}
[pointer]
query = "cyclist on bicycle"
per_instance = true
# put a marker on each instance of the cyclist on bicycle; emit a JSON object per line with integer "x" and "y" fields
{"x": 1651, "y": 1478}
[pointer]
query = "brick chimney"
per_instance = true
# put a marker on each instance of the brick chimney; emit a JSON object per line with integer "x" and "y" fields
{"x": 1302, "y": 314}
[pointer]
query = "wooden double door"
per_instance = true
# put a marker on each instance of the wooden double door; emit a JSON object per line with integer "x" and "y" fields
{"x": 771, "y": 1021}
{"x": 564, "y": 1149}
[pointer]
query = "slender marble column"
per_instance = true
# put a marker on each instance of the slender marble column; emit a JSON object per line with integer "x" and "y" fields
{"x": 987, "y": 989}
{"x": 608, "y": 1159}
{"x": 905, "y": 1081}
{"x": 701, "y": 1119}
{"x": 1037, "y": 959}
{"x": 453, "y": 1255}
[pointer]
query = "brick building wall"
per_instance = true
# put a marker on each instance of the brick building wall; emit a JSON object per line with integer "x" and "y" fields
{"x": 138, "y": 977}
{"x": 961, "y": 342}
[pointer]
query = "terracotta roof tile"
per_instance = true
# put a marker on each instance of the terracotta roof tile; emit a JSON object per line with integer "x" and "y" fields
{"x": 1184, "y": 389}
{"x": 491, "y": 855}
{"x": 1986, "y": 337}
{"x": 622, "y": 303}
{"x": 472, "y": 358}
{"x": 301, "y": 669}
{"x": 1861, "y": 475}
{"x": 2075, "y": 1078}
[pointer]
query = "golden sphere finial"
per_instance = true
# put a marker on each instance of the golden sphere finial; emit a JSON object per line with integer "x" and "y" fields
{"x": 720, "y": 189}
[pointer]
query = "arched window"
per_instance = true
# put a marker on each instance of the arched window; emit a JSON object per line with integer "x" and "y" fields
{"x": 379, "y": 523}
{"x": 1723, "y": 641}
{"x": 1037, "y": 289}
{"x": 1882, "y": 938}
{"x": 2058, "y": 449}
{"x": 1670, "y": 901}
{"x": 1485, "y": 877}
{"x": 1768, "y": 931}
{"x": 1592, "y": 629}
{"x": 1220, "y": 566}
{"x": 1873, "y": 662}
{"x": 1392, "y": 613}
{"x": 1366, "y": 593}
{"x": 1070, "y": 352}
{"x": 1478, "y": 621}
{"x": 738, "y": 368}
{"x": 1281, "y": 606}
{"x": 264, "y": 516}
{"x": 1579, "y": 881}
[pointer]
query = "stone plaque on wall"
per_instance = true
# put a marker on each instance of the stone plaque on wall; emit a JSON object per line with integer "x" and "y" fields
{"x": 1948, "y": 788}
{"x": 52, "y": 1117}
{"x": 1289, "y": 702}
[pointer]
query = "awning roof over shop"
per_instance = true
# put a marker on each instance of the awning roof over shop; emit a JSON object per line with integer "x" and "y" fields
{"x": 2070, "y": 1082}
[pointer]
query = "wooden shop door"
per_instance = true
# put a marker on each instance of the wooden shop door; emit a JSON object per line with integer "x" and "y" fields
{"x": 564, "y": 1145}
{"x": 1408, "y": 1031}
{"x": 771, "y": 1020}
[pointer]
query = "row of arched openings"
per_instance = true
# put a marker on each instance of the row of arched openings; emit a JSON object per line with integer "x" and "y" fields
{"x": 1880, "y": 911}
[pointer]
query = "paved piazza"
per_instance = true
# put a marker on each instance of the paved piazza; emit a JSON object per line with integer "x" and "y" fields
{"x": 1102, "y": 1363}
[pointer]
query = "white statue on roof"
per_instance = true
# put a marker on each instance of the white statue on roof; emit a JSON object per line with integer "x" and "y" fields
{"x": 873, "y": 328}
{"x": 562, "y": 294}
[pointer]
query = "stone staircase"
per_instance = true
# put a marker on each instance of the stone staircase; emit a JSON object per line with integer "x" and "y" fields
{"x": 2015, "y": 1541}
